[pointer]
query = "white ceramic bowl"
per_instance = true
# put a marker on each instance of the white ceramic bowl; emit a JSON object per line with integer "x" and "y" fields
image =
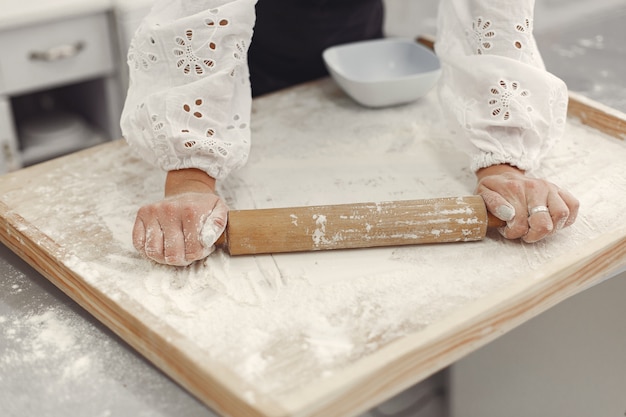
{"x": 383, "y": 72}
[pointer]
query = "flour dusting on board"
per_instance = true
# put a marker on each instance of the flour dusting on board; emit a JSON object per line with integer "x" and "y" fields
{"x": 279, "y": 321}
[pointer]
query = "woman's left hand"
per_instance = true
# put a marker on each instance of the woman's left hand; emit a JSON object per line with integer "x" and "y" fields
{"x": 183, "y": 227}
{"x": 533, "y": 208}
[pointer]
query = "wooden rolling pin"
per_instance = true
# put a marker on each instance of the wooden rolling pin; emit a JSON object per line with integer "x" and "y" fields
{"x": 361, "y": 225}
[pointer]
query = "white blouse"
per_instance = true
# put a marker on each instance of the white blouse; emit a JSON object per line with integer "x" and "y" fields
{"x": 189, "y": 96}
{"x": 494, "y": 85}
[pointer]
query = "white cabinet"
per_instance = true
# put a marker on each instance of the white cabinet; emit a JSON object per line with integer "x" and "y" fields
{"x": 68, "y": 65}
{"x": 9, "y": 158}
{"x": 54, "y": 53}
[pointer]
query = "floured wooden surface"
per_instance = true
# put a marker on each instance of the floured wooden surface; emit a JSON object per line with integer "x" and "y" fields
{"x": 293, "y": 330}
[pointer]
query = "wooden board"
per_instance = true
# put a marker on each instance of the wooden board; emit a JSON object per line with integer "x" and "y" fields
{"x": 314, "y": 334}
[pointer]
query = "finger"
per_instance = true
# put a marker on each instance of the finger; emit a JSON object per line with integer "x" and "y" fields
{"x": 174, "y": 243}
{"x": 214, "y": 225}
{"x": 573, "y": 205}
{"x": 191, "y": 223}
{"x": 559, "y": 210}
{"x": 539, "y": 226}
{"x": 502, "y": 209}
{"x": 497, "y": 205}
{"x": 153, "y": 247}
{"x": 539, "y": 220}
{"x": 139, "y": 235}
{"x": 517, "y": 226}
{"x": 219, "y": 215}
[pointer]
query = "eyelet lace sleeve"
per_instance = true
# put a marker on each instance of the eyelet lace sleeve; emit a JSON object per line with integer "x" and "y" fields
{"x": 188, "y": 101}
{"x": 494, "y": 85}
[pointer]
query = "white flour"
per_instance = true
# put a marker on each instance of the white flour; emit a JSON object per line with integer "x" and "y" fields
{"x": 54, "y": 361}
{"x": 280, "y": 321}
{"x": 52, "y": 351}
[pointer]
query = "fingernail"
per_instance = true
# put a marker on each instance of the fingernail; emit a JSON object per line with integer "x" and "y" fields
{"x": 561, "y": 223}
{"x": 505, "y": 212}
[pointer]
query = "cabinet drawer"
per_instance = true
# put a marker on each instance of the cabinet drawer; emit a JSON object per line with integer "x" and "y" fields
{"x": 53, "y": 53}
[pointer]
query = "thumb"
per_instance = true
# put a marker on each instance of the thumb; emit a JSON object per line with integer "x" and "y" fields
{"x": 214, "y": 225}
{"x": 497, "y": 205}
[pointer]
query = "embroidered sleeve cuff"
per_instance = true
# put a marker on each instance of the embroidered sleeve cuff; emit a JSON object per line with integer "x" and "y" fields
{"x": 487, "y": 159}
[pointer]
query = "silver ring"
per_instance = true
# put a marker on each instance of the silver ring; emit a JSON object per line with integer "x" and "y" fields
{"x": 538, "y": 209}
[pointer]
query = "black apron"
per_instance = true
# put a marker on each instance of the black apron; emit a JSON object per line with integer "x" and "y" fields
{"x": 290, "y": 36}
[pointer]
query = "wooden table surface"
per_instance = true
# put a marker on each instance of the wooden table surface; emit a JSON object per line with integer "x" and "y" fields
{"x": 324, "y": 334}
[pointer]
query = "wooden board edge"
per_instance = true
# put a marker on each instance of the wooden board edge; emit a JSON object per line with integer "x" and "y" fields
{"x": 590, "y": 112}
{"x": 221, "y": 394}
{"x": 597, "y": 115}
{"x": 355, "y": 390}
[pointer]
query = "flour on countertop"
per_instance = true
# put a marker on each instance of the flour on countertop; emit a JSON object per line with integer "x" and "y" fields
{"x": 280, "y": 320}
{"x": 45, "y": 343}
{"x": 54, "y": 360}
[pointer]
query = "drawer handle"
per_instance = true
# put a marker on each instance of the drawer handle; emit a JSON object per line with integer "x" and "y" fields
{"x": 58, "y": 53}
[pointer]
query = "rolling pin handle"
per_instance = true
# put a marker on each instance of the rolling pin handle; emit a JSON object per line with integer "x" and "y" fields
{"x": 221, "y": 241}
{"x": 494, "y": 222}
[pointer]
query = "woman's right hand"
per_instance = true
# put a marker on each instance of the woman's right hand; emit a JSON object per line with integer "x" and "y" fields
{"x": 532, "y": 207}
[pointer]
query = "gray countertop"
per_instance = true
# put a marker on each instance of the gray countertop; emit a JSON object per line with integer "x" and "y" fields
{"x": 589, "y": 55}
{"x": 55, "y": 359}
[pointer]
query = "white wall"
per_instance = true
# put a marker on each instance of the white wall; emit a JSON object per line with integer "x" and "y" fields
{"x": 410, "y": 18}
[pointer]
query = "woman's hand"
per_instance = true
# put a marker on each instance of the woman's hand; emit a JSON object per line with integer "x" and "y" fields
{"x": 533, "y": 208}
{"x": 183, "y": 227}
